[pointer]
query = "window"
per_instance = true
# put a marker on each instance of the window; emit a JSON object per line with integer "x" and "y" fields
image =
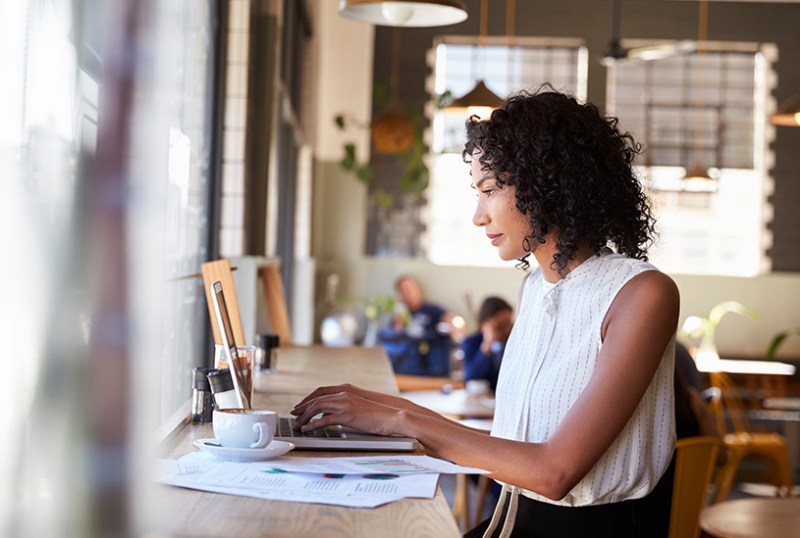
{"x": 459, "y": 64}
{"x": 707, "y": 108}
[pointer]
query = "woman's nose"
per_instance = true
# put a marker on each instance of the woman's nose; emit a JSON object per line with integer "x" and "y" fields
{"x": 479, "y": 218}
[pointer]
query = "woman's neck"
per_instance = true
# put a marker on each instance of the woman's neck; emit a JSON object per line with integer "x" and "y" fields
{"x": 544, "y": 257}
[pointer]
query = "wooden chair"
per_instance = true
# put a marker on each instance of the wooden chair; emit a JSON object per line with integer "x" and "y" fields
{"x": 694, "y": 467}
{"x": 275, "y": 299}
{"x": 742, "y": 442}
{"x": 220, "y": 270}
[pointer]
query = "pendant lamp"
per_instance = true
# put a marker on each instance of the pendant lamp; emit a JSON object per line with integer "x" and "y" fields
{"x": 788, "y": 113}
{"x": 404, "y": 12}
{"x": 480, "y": 100}
{"x": 697, "y": 177}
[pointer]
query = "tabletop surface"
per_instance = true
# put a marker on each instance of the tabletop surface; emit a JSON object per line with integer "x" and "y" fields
{"x": 782, "y": 403}
{"x": 185, "y": 512}
{"x": 753, "y": 518}
{"x": 456, "y": 403}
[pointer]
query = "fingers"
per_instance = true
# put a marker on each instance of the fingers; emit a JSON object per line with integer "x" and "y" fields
{"x": 322, "y": 391}
{"x": 325, "y": 404}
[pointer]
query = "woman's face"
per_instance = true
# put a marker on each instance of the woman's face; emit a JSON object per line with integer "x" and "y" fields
{"x": 505, "y": 226}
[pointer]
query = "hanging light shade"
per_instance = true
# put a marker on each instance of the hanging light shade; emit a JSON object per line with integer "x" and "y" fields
{"x": 788, "y": 113}
{"x": 697, "y": 179}
{"x": 404, "y": 12}
{"x": 479, "y": 101}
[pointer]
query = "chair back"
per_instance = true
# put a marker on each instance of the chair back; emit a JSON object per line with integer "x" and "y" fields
{"x": 727, "y": 402}
{"x": 220, "y": 270}
{"x": 694, "y": 465}
{"x": 275, "y": 299}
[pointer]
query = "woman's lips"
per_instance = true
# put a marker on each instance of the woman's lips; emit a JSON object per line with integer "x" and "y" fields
{"x": 494, "y": 238}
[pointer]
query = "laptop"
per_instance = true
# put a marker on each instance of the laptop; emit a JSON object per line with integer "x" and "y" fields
{"x": 335, "y": 437}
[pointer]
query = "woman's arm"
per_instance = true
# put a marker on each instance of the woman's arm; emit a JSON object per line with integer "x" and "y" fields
{"x": 637, "y": 328}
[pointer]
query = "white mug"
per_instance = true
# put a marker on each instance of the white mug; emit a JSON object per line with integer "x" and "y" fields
{"x": 244, "y": 428}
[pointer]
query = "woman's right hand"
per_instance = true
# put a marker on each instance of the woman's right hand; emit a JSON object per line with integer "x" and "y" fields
{"x": 370, "y": 395}
{"x": 353, "y": 393}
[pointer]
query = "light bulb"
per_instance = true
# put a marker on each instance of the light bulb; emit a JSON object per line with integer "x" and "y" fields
{"x": 397, "y": 13}
{"x": 483, "y": 112}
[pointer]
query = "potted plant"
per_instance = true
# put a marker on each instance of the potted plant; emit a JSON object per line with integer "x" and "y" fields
{"x": 703, "y": 330}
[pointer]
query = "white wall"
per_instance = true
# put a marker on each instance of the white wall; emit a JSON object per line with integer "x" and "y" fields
{"x": 340, "y": 220}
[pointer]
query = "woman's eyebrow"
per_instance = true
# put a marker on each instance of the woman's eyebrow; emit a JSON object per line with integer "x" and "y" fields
{"x": 482, "y": 180}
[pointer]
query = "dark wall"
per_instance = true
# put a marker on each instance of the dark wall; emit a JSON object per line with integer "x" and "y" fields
{"x": 590, "y": 20}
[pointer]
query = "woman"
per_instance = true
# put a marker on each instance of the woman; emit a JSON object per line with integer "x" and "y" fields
{"x": 583, "y": 432}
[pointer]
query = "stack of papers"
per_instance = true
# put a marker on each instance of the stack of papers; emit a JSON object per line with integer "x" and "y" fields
{"x": 364, "y": 482}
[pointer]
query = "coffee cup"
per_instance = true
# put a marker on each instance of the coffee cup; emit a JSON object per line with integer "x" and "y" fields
{"x": 244, "y": 428}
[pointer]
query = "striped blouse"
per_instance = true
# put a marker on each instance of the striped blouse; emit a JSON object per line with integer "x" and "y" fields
{"x": 549, "y": 359}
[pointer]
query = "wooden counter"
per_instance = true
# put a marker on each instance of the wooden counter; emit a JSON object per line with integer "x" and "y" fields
{"x": 185, "y": 512}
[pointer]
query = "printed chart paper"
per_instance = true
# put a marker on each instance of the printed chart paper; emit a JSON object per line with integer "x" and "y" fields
{"x": 368, "y": 488}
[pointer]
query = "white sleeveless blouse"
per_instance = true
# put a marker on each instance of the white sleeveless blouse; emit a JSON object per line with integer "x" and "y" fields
{"x": 549, "y": 359}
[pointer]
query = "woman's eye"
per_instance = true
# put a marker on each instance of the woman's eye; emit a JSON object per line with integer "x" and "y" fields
{"x": 487, "y": 192}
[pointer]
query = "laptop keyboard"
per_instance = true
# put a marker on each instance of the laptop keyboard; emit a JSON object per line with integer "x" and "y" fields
{"x": 286, "y": 429}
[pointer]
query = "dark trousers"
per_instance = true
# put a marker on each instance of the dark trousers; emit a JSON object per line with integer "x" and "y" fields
{"x": 647, "y": 517}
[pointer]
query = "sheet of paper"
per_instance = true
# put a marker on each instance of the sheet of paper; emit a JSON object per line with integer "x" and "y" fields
{"x": 373, "y": 464}
{"x": 263, "y": 480}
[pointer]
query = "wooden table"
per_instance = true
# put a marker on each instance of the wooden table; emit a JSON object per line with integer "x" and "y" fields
{"x": 184, "y": 512}
{"x": 752, "y": 518}
{"x": 457, "y": 404}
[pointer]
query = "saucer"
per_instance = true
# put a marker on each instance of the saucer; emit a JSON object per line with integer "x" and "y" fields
{"x": 271, "y": 451}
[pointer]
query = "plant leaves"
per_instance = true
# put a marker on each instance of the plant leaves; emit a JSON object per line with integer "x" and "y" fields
{"x": 443, "y": 99}
{"x": 364, "y": 173}
{"x": 776, "y": 342}
{"x": 735, "y": 307}
{"x": 339, "y": 121}
{"x": 383, "y": 199}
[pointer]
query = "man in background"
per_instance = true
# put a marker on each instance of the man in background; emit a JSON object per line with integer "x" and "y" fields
{"x": 483, "y": 350}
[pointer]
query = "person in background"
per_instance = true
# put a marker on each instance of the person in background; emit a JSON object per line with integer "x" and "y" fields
{"x": 583, "y": 433}
{"x": 420, "y": 342}
{"x": 483, "y": 350}
{"x": 692, "y": 416}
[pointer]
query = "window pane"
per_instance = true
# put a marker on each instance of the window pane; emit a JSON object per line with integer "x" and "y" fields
{"x": 698, "y": 109}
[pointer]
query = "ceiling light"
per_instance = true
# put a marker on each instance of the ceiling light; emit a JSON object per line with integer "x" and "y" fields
{"x": 480, "y": 101}
{"x": 788, "y": 113}
{"x": 404, "y": 12}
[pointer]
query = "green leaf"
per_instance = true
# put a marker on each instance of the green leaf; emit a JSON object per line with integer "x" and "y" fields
{"x": 364, "y": 173}
{"x": 443, "y": 99}
{"x": 383, "y": 199}
{"x": 777, "y": 341}
{"x": 735, "y": 307}
{"x": 339, "y": 120}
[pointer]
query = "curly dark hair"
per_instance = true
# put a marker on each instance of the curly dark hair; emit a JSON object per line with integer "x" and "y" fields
{"x": 573, "y": 172}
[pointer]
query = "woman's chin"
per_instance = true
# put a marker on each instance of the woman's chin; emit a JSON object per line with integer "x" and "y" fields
{"x": 511, "y": 256}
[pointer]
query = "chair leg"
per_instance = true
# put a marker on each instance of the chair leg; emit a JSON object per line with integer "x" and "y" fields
{"x": 461, "y": 502}
{"x": 726, "y": 477}
{"x": 783, "y": 475}
{"x": 483, "y": 489}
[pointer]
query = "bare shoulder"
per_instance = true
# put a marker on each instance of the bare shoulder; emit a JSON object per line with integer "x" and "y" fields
{"x": 651, "y": 285}
{"x": 650, "y": 295}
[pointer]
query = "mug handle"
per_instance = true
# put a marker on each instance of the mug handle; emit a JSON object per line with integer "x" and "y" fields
{"x": 262, "y": 429}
